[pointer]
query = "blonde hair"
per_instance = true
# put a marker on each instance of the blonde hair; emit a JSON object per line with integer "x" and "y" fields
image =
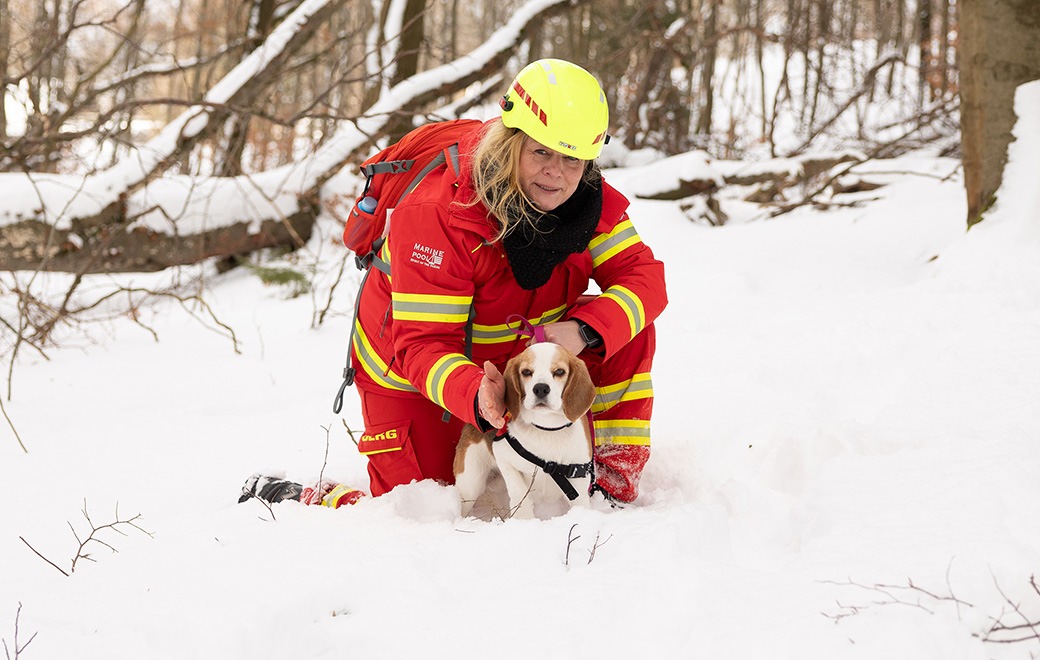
{"x": 496, "y": 178}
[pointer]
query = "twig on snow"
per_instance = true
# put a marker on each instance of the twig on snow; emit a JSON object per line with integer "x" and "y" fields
{"x": 18, "y": 648}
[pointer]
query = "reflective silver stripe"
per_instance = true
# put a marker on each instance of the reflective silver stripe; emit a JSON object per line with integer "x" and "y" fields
{"x": 612, "y": 242}
{"x": 632, "y": 306}
{"x": 438, "y": 376}
{"x": 639, "y": 387}
{"x": 505, "y": 332}
{"x": 427, "y": 309}
{"x": 622, "y": 432}
{"x": 492, "y": 334}
{"x": 375, "y": 367}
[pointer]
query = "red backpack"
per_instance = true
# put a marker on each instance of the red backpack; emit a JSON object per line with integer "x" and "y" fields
{"x": 416, "y": 154}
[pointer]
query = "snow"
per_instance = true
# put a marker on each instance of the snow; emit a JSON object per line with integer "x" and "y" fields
{"x": 845, "y": 462}
{"x": 57, "y": 199}
{"x": 181, "y": 204}
{"x": 1020, "y": 190}
{"x": 667, "y": 174}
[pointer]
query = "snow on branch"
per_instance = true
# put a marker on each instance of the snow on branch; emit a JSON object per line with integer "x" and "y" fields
{"x": 165, "y": 68}
{"x": 66, "y": 200}
{"x": 66, "y": 223}
{"x": 420, "y": 88}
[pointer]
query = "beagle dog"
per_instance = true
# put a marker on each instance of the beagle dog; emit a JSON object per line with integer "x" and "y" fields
{"x": 544, "y": 455}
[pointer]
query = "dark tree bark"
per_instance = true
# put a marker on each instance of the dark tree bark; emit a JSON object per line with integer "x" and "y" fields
{"x": 708, "y": 68}
{"x": 924, "y": 43}
{"x": 1000, "y": 50}
{"x": 407, "y": 62}
{"x": 5, "y": 50}
{"x": 261, "y": 20}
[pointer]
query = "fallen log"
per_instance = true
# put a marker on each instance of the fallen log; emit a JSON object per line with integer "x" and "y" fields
{"x": 115, "y": 248}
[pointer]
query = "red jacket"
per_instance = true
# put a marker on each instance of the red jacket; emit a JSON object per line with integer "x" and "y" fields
{"x": 411, "y": 326}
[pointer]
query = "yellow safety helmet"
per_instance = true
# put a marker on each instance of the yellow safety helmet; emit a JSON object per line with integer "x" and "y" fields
{"x": 560, "y": 105}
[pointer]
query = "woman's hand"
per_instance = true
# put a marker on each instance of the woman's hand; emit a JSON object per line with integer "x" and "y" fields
{"x": 491, "y": 396}
{"x": 565, "y": 334}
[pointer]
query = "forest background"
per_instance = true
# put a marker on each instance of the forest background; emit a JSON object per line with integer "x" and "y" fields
{"x": 849, "y": 395}
{"x": 136, "y": 133}
{"x": 126, "y": 92}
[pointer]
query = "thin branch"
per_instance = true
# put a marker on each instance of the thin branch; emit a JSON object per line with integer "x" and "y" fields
{"x": 913, "y": 595}
{"x": 325, "y": 461}
{"x": 93, "y": 537}
{"x": 11, "y": 424}
{"x": 96, "y": 529}
{"x": 571, "y": 538}
{"x": 17, "y": 647}
{"x": 38, "y": 554}
{"x": 596, "y": 545}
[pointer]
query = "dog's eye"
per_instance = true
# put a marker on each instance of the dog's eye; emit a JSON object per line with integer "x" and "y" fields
{"x": 560, "y": 373}
{"x": 526, "y": 373}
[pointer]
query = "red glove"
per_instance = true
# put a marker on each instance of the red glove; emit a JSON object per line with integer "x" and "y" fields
{"x": 341, "y": 495}
{"x": 330, "y": 494}
{"x": 618, "y": 468}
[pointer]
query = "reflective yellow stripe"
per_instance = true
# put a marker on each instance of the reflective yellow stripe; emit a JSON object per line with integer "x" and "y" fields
{"x": 630, "y": 304}
{"x": 622, "y": 432}
{"x": 375, "y": 367}
{"x": 605, "y": 246}
{"x": 430, "y": 308}
{"x": 379, "y": 451}
{"x": 334, "y": 496}
{"x": 506, "y": 332}
{"x": 638, "y": 387}
{"x": 384, "y": 254}
{"x": 439, "y": 374}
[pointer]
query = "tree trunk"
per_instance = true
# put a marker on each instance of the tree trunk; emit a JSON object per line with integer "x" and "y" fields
{"x": 407, "y": 60}
{"x": 1000, "y": 50}
{"x": 924, "y": 42}
{"x": 900, "y": 41}
{"x": 5, "y": 53}
{"x": 110, "y": 248}
{"x": 760, "y": 62}
{"x": 261, "y": 20}
{"x": 708, "y": 68}
{"x": 943, "y": 74}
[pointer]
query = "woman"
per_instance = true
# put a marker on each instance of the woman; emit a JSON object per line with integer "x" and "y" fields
{"x": 521, "y": 230}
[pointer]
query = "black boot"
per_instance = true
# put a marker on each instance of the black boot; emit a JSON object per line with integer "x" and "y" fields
{"x": 270, "y": 489}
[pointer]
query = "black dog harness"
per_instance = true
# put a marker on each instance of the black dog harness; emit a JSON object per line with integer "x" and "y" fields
{"x": 560, "y": 472}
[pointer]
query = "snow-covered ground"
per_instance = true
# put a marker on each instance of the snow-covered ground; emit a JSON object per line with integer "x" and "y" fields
{"x": 846, "y": 464}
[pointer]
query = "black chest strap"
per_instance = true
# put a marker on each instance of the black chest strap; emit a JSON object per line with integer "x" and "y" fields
{"x": 560, "y": 472}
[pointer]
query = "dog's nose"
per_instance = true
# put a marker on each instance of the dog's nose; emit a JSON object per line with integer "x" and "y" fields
{"x": 541, "y": 390}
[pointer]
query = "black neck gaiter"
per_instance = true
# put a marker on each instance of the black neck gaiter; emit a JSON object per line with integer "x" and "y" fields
{"x": 534, "y": 251}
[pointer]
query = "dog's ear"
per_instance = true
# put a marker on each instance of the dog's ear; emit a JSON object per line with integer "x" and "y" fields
{"x": 514, "y": 388}
{"x": 579, "y": 392}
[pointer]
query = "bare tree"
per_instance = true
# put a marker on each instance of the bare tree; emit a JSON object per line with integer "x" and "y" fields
{"x": 710, "y": 9}
{"x": 99, "y": 244}
{"x": 1000, "y": 49}
{"x": 261, "y": 22}
{"x": 5, "y": 56}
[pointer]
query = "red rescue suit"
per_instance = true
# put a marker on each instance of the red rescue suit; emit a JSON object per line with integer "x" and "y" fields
{"x": 411, "y": 332}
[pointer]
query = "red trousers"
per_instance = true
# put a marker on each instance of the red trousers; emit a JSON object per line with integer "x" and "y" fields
{"x": 407, "y": 438}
